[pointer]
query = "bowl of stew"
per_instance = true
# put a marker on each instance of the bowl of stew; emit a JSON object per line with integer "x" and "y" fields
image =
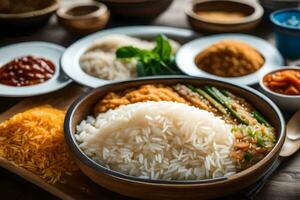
{"x": 283, "y": 87}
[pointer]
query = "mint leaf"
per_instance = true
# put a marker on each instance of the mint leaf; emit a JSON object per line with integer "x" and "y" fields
{"x": 163, "y": 47}
{"x": 158, "y": 61}
{"x": 128, "y": 52}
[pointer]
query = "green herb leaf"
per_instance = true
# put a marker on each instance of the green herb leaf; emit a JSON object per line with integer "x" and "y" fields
{"x": 128, "y": 52}
{"x": 140, "y": 68}
{"x": 163, "y": 47}
{"x": 159, "y": 61}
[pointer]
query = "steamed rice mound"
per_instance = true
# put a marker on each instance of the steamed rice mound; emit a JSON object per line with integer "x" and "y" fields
{"x": 156, "y": 140}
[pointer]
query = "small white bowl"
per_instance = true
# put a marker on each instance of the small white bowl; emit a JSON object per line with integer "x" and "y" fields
{"x": 51, "y": 51}
{"x": 285, "y": 102}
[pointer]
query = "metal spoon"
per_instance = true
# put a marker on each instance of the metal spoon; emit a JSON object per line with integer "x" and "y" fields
{"x": 293, "y": 127}
{"x": 290, "y": 147}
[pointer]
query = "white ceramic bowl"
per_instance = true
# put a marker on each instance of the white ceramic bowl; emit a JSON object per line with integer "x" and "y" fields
{"x": 185, "y": 57}
{"x": 51, "y": 51}
{"x": 70, "y": 59}
{"x": 285, "y": 102}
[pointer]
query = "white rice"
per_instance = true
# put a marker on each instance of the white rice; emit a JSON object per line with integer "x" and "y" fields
{"x": 159, "y": 140}
{"x": 105, "y": 66}
{"x": 100, "y": 60}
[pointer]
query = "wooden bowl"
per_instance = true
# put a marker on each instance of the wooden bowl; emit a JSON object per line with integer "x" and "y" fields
{"x": 83, "y": 18}
{"x": 158, "y": 189}
{"x": 137, "y": 9}
{"x": 24, "y": 15}
{"x": 251, "y": 10}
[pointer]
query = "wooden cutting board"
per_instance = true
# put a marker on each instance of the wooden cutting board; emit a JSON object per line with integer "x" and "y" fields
{"x": 77, "y": 186}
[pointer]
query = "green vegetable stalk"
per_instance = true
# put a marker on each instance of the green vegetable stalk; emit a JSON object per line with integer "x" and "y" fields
{"x": 260, "y": 118}
{"x": 209, "y": 98}
{"x": 225, "y": 101}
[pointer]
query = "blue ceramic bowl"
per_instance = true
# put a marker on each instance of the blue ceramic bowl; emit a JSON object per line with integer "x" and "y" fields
{"x": 287, "y": 32}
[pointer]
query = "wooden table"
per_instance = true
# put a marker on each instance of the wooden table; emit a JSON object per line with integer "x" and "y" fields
{"x": 284, "y": 184}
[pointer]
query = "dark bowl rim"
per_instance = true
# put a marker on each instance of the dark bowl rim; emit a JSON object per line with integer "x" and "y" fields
{"x": 255, "y": 16}
{"x": 280, "y": 25}
{"x": 80, "y": 155}
{"x": 47, "y": 10}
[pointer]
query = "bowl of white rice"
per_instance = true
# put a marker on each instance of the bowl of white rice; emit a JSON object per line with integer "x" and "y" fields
{"x": 164, "y": 149}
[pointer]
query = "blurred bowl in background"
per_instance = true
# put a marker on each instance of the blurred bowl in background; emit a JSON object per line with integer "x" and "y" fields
{"x": 23, "y": 15}
{"x": 272, "y": 5}
{"x": 83, "y": 18}
{"x": 224, "y": 15}
{"x": 137, "y": 9}
{"x": 287, "y": 31}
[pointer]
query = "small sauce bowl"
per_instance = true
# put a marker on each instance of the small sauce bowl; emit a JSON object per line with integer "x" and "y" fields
{"x": 285, "y": 102}
{"x": 83, "y": 18}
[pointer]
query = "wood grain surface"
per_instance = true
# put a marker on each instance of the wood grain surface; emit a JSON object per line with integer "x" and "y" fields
{"x": 284, "y": 184}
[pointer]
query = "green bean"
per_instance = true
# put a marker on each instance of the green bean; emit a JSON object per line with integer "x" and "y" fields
{"x": 225, "y": 101}
{"x": 209, "y": 98}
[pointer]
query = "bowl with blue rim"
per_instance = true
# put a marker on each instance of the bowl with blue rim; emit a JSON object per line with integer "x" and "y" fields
{"x": 287, "y": 31}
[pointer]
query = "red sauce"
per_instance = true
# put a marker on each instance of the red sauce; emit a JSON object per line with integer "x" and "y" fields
{"x": 26, "y": 70}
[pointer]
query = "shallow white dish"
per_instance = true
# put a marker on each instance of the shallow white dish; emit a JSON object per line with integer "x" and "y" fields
{"x": 50, "y": 51}
{"x": 185, "y": 57}
{"x": 70, "y": 59}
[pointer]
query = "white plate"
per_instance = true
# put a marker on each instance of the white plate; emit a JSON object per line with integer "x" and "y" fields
{"x": 185, "y": 57}
{"x": 70, "y": 59}
{"x": 50, "y": 51}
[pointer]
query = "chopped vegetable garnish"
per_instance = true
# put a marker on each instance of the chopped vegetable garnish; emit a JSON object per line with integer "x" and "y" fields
{"x": 247, "y": 156}
{"x": 260, "y": 141}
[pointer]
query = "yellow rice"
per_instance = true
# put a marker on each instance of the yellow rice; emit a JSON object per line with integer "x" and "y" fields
{"x": 34, "y": 140}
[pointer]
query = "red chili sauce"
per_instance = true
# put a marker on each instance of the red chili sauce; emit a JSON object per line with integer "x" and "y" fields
{"x": 26, "y": 70}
